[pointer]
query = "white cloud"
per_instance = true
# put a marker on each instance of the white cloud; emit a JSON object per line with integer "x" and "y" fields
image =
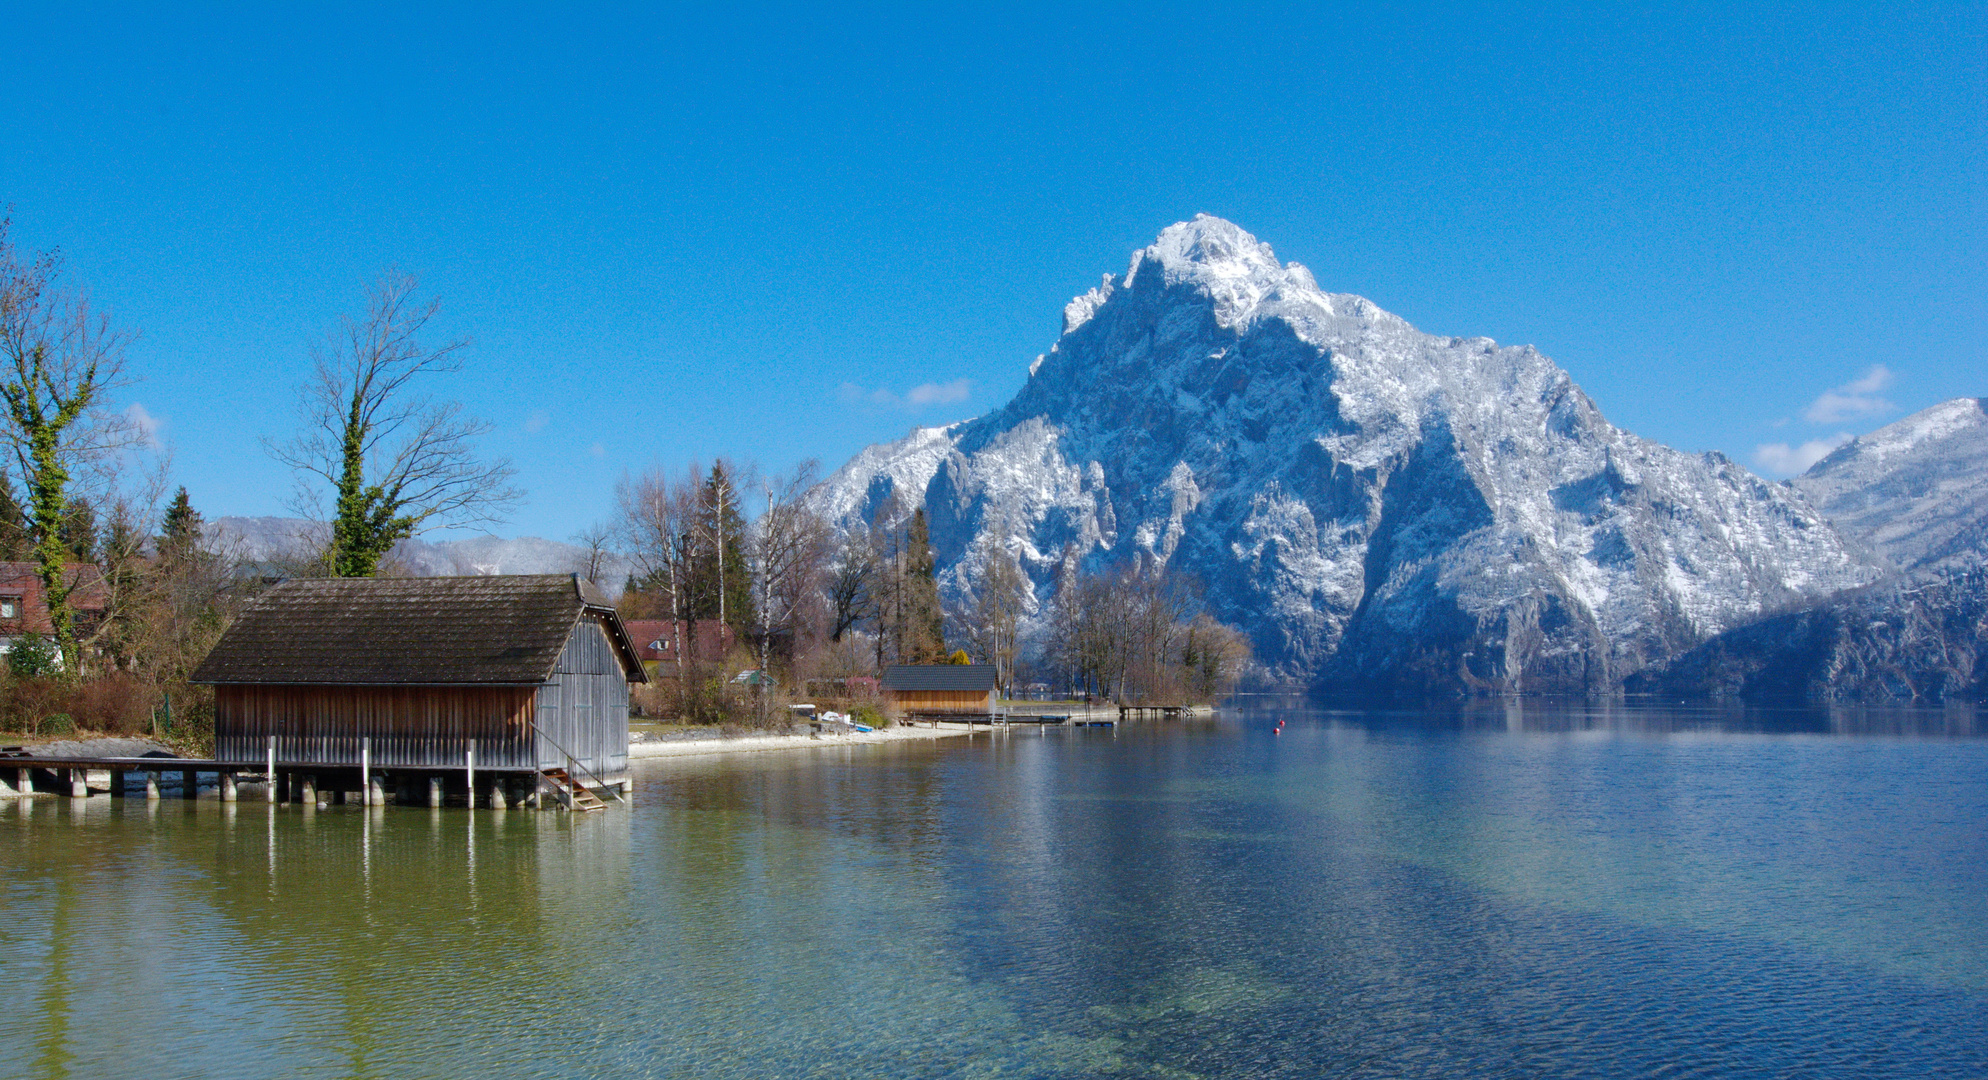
{"x": 1782, "y": 459}
{"x": 1858, "y": 398}
{"x": 918, "y": 397}
{"x": 145, "y": 424}
{"x": 939, "y": 393}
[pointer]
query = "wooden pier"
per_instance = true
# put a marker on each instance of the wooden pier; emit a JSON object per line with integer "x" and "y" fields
{"x": 312, "y": 783}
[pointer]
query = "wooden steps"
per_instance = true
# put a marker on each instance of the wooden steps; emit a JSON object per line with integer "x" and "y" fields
{"x": 575, "y": 795}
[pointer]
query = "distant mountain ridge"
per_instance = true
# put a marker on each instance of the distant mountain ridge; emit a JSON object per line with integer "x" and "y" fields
{"x": 1914, "y": 495}
{"x": 273, "y": 540}
{"x": 1914, "y": 492}
{"x": 1378, "y": 507}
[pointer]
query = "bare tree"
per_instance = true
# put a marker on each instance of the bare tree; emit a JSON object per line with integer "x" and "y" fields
{"x": 789, "y": 550}
{"x": 398, "y": 462}
{"x": 654, "y": 521}
{"x": 991, "y": 610}
{"x": 595, "y": 543}
{"x": 1139, "y": 636}
{"x": 1214, "y": 657}
{"x": 61, "y": 361}
{"x": 853, "y": 584}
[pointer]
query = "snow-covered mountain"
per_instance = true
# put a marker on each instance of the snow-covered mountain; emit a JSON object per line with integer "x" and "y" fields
{"x": 1915, "y": 492}
{"x": 1375, "y": 505}
{"x": 272, "y": 541}
{"x": 1915, "y": 495}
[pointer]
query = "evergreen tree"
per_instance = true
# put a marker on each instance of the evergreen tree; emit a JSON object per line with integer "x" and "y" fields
{"x": 720, "y": 585}
{"x": 179, "y": 533}
{"x": 924, "y": 620}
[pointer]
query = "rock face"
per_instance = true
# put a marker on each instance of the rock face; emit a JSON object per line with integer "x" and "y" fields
{"x": 1378, "y": 507}
{"x": 1916, "y": 492}
{"x": 1921, "y": 638}
{"x": 1915, "y": 496}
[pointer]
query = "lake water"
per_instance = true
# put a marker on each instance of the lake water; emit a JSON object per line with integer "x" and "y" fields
{"x": 1500, "y": 892}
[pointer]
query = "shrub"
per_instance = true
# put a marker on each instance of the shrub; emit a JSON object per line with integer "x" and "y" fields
{"x": 56, "y": 724}
{"x": 33, "y": 656}
{"x": 870, "y": 716}
{"x": 29, "y": 703}
{"x": 117, "y": 703}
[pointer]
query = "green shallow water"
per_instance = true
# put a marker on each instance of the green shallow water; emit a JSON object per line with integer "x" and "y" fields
{"x": 1538, "y": 892}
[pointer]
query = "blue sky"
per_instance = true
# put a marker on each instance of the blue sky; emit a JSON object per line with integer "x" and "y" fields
{"x": 779, "y": 233}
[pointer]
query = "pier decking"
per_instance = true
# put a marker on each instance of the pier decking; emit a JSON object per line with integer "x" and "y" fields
{"x": 287, "y": 781}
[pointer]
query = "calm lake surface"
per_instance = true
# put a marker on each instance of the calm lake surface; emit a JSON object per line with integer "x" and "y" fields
{"x": 1506, "y": 891}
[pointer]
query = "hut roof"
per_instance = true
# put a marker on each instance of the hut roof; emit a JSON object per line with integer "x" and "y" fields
{"x": 411, "y": 631}
{"x": 948, "y": 678}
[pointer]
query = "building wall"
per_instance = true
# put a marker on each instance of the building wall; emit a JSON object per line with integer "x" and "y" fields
{"x": 411, "y": 726}
{"x": 942, "y": 701}
{"x": 583, "y": 709}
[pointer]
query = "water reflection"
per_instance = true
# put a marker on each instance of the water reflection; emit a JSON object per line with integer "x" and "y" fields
{"x": 1545, "y": 716}
{"x": 1517, "y": 890}
{"x": 335, "y": 925}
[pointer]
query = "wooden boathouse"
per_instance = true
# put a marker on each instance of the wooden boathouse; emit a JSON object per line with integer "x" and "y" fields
{"x": 486, "y": 689}
{"x": 941, "y": 691}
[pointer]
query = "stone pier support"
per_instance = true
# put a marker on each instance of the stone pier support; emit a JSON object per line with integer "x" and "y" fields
{"x": 434, "y": 791}
{"x": 229, "y": 793}
{"x": 79, "y": 783}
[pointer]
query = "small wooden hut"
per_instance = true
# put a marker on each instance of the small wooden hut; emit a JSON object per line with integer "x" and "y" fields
{"x": 495, "y": 688}
{"x": 941, "y": 690}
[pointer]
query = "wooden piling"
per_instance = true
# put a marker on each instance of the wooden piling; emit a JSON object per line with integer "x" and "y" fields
{"x": 117, "y": 780}
{"x": 189, "y": 784}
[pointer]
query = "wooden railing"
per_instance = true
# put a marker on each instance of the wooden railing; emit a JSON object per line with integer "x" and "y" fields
{"x": 573, "y": 763}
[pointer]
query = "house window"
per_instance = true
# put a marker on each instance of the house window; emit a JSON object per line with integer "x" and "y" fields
{"x": 10, "y": 607}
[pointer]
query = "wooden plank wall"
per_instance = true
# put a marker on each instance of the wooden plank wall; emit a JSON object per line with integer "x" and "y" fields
{"x": 583, "y": 708}
{"x": 411, "y": 726}
{"x": 944, "y": 701}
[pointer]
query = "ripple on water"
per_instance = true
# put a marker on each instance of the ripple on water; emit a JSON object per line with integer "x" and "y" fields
{"x": 1348, "y": 899}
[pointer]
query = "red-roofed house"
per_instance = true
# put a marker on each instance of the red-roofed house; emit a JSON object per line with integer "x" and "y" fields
{"x": 657, "y": 642}
{"x": 24, "y": 604}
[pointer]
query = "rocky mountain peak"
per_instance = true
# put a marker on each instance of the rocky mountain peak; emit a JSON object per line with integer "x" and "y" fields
{"x": 1373, "y": 503}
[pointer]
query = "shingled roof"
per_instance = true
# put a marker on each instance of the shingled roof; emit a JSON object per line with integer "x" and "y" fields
{"x": 940, "y": 678}
{"x": 445, "y": 631}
